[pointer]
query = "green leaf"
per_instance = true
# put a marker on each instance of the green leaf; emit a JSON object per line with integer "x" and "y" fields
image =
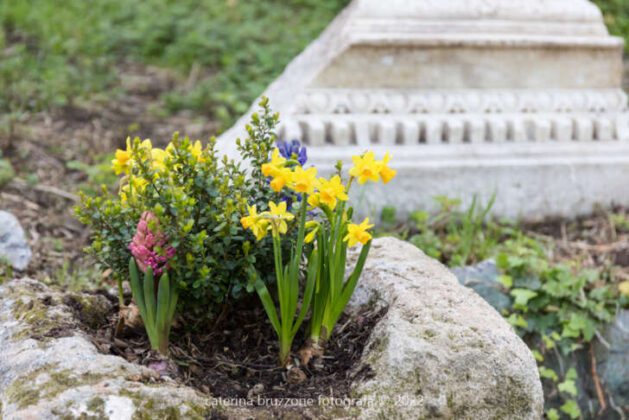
{"x": 149, "y": 297}
{"x": 522, "y": 297}
{"x": 571, "y": 408}
{"x": 163, "y": 306}
{"x": 571, "y": 374}
{"x": 269, "y": 306}
{"x": 547, "y": 373}
{"x": 569, "y": 387}
{"x": 538, "y": 356}
{"x": 552, "y": 414}
{"x": 506, "y": 281}
{"x": 577, "y": 325}
{"x": 136, "y": 288}
{"x": 517, "y": 320}
{"x": 548, "y": 341}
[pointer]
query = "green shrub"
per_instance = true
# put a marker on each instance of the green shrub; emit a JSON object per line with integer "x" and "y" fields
{"x": 198, "y": 200}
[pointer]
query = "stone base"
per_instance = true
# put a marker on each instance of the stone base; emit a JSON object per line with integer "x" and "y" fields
{"x": 518, "y": 97}
{"x": 530, "y": 180}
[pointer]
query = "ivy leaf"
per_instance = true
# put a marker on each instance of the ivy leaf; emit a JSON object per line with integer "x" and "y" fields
{"x": 522, "y": 297}
{"x": 552, "y": 414}
{"x": 548, "y": 341}
{"x": 506, "y": 281}
{"x": 568, "y": 386}
{"x": 571, "y": 374}
{"x": 571, "y": 408}
{"x": 538, "y": 356}
{"x": 517, "y": 320}
{"x": 579, "y": 324}
{"x": 547, "y": 373}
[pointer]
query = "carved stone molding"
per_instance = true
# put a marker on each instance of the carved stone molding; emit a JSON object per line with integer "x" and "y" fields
{"x": 423, "y": 129}
{"x": 383, "y": 101}
{"x": 484, "y": 83}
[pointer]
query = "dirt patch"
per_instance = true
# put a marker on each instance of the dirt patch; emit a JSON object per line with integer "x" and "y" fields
{"x": 237, "y": 356}
{"x": 597, "y": 240}
{"x": 44, "y": 147}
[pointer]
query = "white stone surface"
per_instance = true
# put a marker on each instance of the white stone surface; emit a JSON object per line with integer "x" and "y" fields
{"x": 423, "y": 77}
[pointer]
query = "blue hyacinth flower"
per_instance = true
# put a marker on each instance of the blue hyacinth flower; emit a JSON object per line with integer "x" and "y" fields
{"x": 293, "y": 150}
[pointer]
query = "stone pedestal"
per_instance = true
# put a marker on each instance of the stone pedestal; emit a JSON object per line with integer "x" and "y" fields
{"x": 518, "y": 97}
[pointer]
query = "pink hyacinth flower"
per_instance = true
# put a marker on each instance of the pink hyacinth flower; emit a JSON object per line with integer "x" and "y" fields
{"x": 150, "y": 247}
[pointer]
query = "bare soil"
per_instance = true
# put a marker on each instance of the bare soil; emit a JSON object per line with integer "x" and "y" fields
{"x": 41, "y": 146}
{"x": 237, "y": 356}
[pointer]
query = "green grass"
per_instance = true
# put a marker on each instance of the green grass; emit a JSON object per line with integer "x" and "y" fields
{"x": 57, "y": 53}
{"x": 54, "y": 53}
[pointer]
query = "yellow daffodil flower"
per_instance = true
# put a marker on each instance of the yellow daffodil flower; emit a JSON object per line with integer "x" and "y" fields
{"x": 136, "y": 185}
{"x": 366, "y": 168}
{"x": 281, "y": 177}
{"x": 276, "y": 163}
{"x": 330, "y": 191}
{"x": 624, "y": 288}
{"x": 314, "y": 200}
{"x": 386, "y": 173}
{"x": 304, "y": 180}
{"x": 255, "y": 222}
{"x": 158, "y": 156}
{"x": 358, "y": 233}
{"x": 278, "y": 217}
{"x": 196, "y": 150}
{"x": 313, "y": 227}
{"x": 260, "y": 229}
{"x": 123, "y": 160}
{"x": 146, "y": 145}
{"x": 248, "y": 221}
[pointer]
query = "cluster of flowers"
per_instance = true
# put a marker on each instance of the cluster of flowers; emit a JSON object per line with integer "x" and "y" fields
{"x": 286, "y": 171}
{"x": 321, "y": 219}
{"x": 124, "y": 161}
{"x": 306, "y": 213}
{"x": 149, "y": 246}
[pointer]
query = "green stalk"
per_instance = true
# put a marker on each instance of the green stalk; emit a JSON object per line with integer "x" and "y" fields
{"x": 157, "y": 313}
{"x": 333, "y": 291}
{"x": 287, "y": 324}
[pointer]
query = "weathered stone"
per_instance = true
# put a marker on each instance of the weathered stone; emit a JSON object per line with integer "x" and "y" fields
{"x": 483, "y": 279}
{"x": 13, "y": 245}
{"x": 440, "y": 350}
{"x": 43, "y": 376}
{"x": 518, "y": 97}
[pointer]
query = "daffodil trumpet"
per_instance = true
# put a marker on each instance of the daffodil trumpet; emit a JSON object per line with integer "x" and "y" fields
{"x": 286, "y": 323}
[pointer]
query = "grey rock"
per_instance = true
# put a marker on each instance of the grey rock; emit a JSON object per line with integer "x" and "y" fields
{"x": 440, "y": 350}
{"x": 48, "y": 377}
{"x": 483, "y": 279}
{"x": 13, "y": 245}
{"x": 613, "y": 361}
